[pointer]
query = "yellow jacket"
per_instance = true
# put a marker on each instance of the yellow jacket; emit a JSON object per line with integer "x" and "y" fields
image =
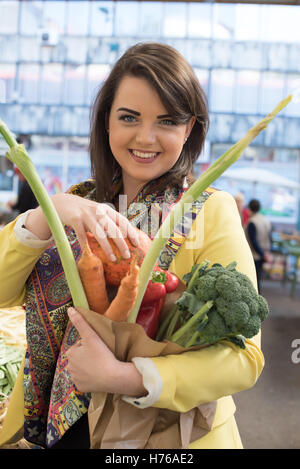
{"x": 217, "y": 371}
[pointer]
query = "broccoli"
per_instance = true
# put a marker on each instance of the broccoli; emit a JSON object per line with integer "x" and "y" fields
{"x": 206, "y": 288}
{"x": 219, "y": 303}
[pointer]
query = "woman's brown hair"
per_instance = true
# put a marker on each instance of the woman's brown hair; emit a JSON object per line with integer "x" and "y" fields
{"x": 179, "y": 90}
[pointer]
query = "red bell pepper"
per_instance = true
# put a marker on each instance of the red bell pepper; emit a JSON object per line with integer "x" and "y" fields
{"x": 154, "y": 292}
{"x": 148, "y": 316}
{"x": 159, "y": 285}
{"x": 161, "y": 282}
{"x": 172, "y": 282}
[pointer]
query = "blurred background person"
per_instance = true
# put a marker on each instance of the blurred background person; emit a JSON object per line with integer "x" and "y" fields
{"x": 258, "y": 232}
{"x": 25, "y": 199}
{"x": 244, "y": 212}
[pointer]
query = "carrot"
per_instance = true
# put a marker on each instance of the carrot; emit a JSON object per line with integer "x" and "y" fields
{"x": 115, "y": 271}
{"x": 92, "y": 276}
{"x": 124, "y": 300}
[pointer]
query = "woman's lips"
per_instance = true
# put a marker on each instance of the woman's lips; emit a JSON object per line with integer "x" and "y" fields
{"x": 144, "y": 156}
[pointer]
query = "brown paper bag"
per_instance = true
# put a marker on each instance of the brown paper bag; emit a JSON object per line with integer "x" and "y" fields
{"x": 116, "y": 424}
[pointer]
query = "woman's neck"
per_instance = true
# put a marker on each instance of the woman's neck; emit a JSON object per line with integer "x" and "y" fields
{"x": 131, "y": 189}
{"x": 125, "y": 198}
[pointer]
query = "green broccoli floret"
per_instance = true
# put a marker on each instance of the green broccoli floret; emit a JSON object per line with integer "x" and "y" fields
{"x": 234, "y": 309}
{"x": 228, "y": 287}
{"x": 252, "y": 327}
{"x": 205, "y": 289}
{"x": 250, "y": 297}
{"x": 244, "y": 280}
{"x": 235, "y": 313}
{"x": 215, "y": 329}
{"x": 263, "y": 310}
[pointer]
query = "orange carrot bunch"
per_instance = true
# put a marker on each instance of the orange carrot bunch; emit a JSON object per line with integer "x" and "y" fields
{"x": 91, "y": 272}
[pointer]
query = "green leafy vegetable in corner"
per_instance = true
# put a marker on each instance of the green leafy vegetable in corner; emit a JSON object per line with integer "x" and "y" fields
{"x": 10, "y": 362}
{"x": 219, "y": 303}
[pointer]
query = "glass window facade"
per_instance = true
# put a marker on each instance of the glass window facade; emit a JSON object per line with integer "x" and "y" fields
{"x": 245, "y": 67}
{"x": 175, "y": 19}
{"x": 222, "y": 90}
{"x": 31, "y": 18}
{"x": 78, "y": 20}
{"x": 102, "y": 19}
{"x": 150, "y": 25}
{"x": 10, "y": 11}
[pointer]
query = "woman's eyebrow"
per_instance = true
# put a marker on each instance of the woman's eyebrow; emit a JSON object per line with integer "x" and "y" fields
{"x": 129, "y": 110}
{"x": 136, "y": 113}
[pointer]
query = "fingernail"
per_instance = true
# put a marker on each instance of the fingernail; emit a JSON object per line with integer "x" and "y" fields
{"x": 113, "y": 257}
{"x": 127, "y": 254}
{"x": 135, "y": 241}
{"x": 71, "y": 311}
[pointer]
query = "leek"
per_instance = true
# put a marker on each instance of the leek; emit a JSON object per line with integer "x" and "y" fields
{"x": 202, "y": 183}
{"x": 18, "y": 155}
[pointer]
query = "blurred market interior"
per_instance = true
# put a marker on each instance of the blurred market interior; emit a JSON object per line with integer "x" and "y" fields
{"x": 54, "y": 56}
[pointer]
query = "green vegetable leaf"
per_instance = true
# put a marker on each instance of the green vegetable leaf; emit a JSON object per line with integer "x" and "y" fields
{"x": 196, "y": 272}
{"x": 189, "y": 302}
{"x": 231, "y": 266}
{"x": 158, "y": 277}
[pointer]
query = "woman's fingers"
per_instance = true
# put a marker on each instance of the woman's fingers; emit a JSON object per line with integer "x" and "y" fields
{"x": 111, "y": 224}
{"x": 99, "y": 218}
{"x": 84, "y": 330}
{"x": 102, "y": 238}
{"x": 81, "y": 234}
{"x": 126, "y": 228}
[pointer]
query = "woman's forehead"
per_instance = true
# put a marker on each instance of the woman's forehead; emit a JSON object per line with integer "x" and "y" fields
{"x": 134, "y": 92}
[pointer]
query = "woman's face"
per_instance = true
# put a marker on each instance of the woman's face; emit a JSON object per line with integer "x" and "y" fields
{"x": 143, "y": 138}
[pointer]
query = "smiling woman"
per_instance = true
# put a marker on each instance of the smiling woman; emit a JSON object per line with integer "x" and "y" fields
{"x": 145, "y": 140}
{"x": 164, "y": 105}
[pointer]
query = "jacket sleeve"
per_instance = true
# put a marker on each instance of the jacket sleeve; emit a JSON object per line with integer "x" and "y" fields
{"x": 17, "y": 258}
{"x": 198, "y": 377}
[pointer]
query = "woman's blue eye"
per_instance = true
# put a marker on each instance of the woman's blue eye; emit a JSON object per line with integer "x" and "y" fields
{"x": 168, "y": 122}
{"x": 127, "y": 118}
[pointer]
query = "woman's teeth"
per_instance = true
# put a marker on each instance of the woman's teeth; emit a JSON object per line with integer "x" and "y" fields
{"x": 145, "y": 155}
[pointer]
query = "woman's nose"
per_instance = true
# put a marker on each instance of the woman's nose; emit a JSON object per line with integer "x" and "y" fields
{"x": 145, "y": 135}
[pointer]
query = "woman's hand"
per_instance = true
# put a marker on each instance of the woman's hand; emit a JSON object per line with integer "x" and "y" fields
{"x": 86, "y": 215}
{"x": 94, "y": 368}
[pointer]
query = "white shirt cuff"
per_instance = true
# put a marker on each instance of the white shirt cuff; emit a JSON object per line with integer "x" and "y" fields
{"x": 151, "y": 380}
{"x": 25, "y": 236}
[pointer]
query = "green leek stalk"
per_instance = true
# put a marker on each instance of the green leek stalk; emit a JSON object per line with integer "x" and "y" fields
{"x": 179, "y": 209}
{"x": 18, "y": 155}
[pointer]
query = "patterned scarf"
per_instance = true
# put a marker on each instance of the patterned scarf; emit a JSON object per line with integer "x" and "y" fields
{"x": 52, "y": 402}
